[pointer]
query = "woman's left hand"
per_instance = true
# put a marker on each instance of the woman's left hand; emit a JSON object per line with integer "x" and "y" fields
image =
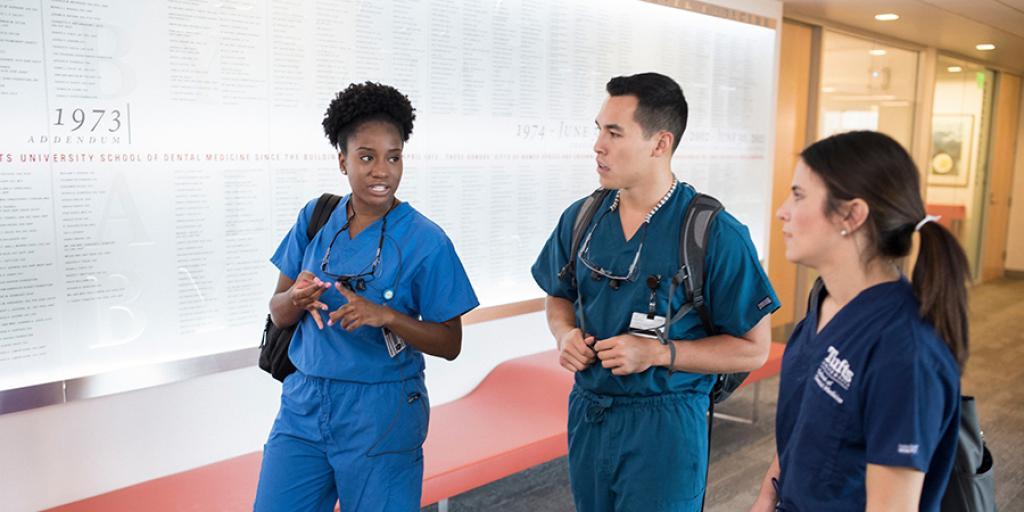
{"x": 359, "y": 312}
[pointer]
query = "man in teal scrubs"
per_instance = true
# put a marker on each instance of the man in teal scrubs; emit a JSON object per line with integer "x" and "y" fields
{"x": 637, "y": 425}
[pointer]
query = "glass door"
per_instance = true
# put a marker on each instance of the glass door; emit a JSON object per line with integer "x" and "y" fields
{"x": 866, "y": 85}
{"x": 958, "y": 167}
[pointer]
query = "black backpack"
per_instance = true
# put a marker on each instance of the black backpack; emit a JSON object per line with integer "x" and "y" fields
{"x": 693, "y": 240}
{"x": 274, "y": 345}
{"x": 971, "y": 486}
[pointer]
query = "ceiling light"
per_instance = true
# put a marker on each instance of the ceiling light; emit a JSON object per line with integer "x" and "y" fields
{"x": 877, "y": 53}
{"x": 828, "y": 89}
{"x": 887, "y": 17}
{"x": 954, "y": 69}
{"x": 985, "y": 47}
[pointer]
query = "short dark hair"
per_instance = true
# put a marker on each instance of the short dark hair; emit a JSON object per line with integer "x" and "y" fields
{"x": 660, "y": 102}
{"x": 362, "y": 103}
{"x": 875, "y": 168}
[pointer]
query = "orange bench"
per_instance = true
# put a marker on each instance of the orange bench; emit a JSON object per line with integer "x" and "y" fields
{"x": 515, "y": 419}
{"x": 771, "y": 368}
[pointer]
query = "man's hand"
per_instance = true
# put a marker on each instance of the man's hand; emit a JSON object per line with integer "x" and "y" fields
{"x": 359, "y": 312}
{"x": 305, "y": 294}
{"x": 576, "y": 353}
{"x": 626, "y": 353}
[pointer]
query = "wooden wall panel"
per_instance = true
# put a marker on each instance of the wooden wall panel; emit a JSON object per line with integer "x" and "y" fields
{"x": 790, "y": 139}
{"x": 1003, "y": 157}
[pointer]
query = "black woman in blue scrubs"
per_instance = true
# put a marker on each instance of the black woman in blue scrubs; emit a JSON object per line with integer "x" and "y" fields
{"x": 375, "y": 289}
{"x": 868, "y": 409}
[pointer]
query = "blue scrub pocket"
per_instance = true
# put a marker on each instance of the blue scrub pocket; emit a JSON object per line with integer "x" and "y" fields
{"x": 298, "y": 396}
{"x": 821, "y": 438}
{"x": 406, "y": 428}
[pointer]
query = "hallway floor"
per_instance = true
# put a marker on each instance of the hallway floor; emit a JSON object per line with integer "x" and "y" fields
{"x": 741, "y": 453}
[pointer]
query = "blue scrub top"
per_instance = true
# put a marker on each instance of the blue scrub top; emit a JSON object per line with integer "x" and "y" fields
{"x": 736, "y": 288}
{"x": 418, "y": 265}
{"x": 875, "y": 386}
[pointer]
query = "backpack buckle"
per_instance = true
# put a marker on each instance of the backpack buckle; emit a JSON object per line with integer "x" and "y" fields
{"x": 681, "y": 276}
{"x": 698, "y": 299}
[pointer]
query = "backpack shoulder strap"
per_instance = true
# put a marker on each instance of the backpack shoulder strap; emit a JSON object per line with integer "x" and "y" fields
{"x": 324, "y": 207}
{"x": 579, "y": 226}
{"x": 693, "y": 242}
{"x": 814, "y": 299}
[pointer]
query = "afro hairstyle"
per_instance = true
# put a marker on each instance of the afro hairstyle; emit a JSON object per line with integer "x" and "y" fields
{"x": 361, "y": 103}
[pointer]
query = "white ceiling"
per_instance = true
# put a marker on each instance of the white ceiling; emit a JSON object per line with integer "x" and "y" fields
{"x": 951, "y": 25}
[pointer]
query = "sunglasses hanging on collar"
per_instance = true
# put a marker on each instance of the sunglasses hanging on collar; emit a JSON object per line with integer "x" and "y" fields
{"x": 357, "y": 282}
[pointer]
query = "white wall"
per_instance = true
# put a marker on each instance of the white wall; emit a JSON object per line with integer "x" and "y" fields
{"x": 1015, "y": 243}
{"x": 62, "y": 453}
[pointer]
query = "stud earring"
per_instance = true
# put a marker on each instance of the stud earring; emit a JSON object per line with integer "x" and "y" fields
{"x": 843, "y": 232}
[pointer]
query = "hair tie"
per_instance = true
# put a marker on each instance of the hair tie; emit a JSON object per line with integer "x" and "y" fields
{"x": 926, "y": 220}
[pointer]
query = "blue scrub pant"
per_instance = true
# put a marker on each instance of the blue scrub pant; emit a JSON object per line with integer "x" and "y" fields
{"x": 637, "y": 453}
{"x": 360, "y": 444}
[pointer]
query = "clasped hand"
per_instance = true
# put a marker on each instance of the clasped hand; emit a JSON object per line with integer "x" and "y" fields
{"x": 355, "y": 313}
{"x": 623, "y": 354}
{"x": 359, "y": 312}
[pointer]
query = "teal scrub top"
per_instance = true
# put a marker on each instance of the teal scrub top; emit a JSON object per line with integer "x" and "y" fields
{"x": 737, "y": 290}
{"x": 419, "y": 275}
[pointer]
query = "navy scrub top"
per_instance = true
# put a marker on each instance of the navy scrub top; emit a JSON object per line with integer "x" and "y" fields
{"x": 875, "y": 386}
{"x": 737, "y": 290}
{"x": 419, "y": 275}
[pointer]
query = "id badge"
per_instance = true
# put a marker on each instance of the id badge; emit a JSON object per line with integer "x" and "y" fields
{"x": 394, "y": 342}
{"x": 641, "y": 325}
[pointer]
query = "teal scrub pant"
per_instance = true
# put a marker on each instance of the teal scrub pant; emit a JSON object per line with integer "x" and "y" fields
{"x": 637, "y": 453}
{"x": 360, "y": 444}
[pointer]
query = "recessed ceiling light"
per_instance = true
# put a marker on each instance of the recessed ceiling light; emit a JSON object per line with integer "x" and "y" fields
{"x": 954, "y": 69}
{"x": 877, "y": 53}
{"x": 828, "y": 89}
{"x": 887, "y": 17}
{"x": 985, "y": 47}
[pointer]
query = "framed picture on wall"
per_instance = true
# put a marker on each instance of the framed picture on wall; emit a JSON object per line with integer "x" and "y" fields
{"x": 950, "y": 164}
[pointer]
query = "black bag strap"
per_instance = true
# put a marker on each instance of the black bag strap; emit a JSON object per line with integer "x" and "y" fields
{"x": 814, "y": 299}
{"x": 579, "y": 227}
{"x": 324, "y": 208}
{"x": 693, "y": 243}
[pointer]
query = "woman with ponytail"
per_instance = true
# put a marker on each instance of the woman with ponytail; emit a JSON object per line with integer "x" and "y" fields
{"x": 868, "y": 407}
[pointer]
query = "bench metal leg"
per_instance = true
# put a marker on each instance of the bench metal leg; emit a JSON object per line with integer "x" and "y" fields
{"x": 753, "y": 413}
{"x": 730, "y": 417}
{"x": 442, "y": 506}
{"x": 757, "y": 397}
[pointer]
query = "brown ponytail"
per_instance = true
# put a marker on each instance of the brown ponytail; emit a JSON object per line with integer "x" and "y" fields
{"x": 939, "y": 279}
{"x": 874, "y": 167}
